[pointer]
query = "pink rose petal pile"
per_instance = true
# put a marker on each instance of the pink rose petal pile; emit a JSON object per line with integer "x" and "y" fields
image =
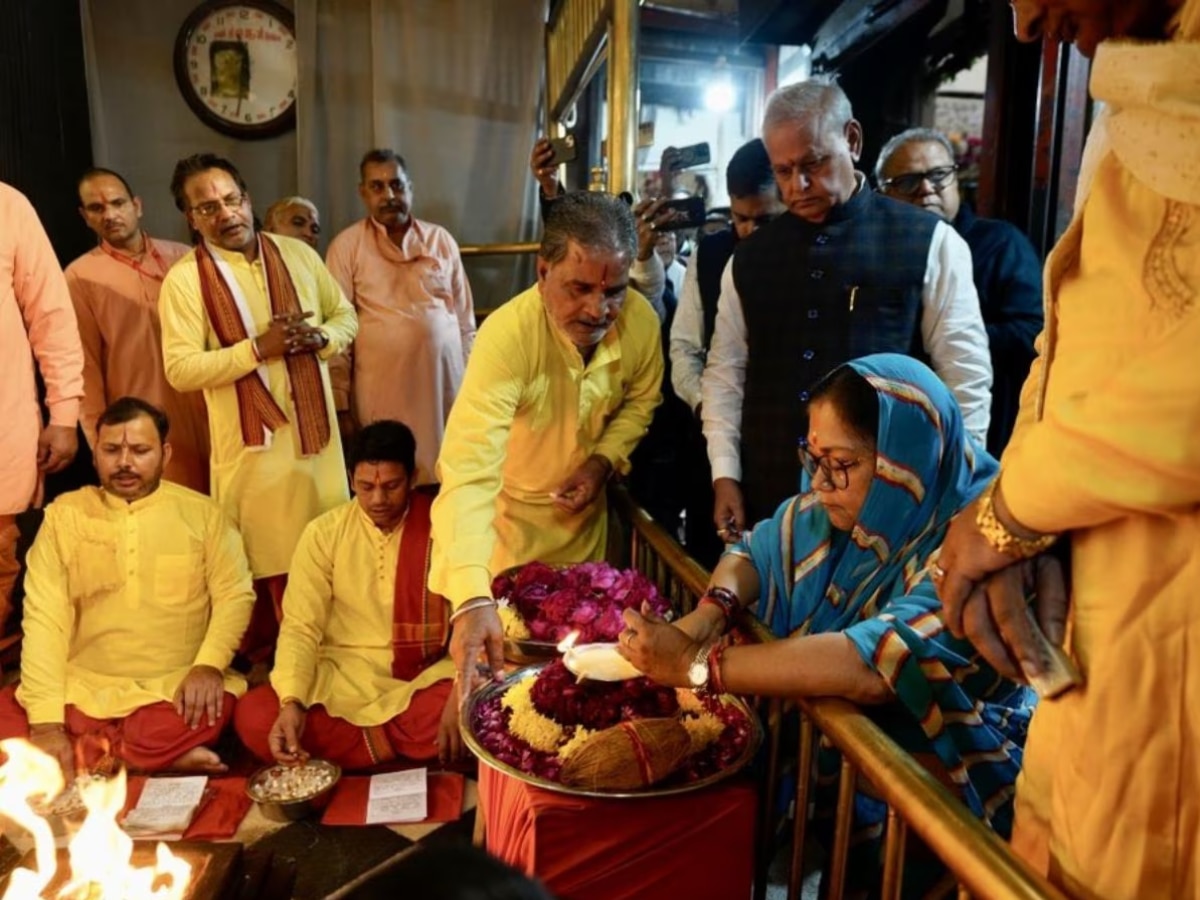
{"x": 587, "y": 597}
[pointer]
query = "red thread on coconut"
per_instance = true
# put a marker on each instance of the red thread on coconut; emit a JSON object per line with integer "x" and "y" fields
{"x": 639, "y": 751}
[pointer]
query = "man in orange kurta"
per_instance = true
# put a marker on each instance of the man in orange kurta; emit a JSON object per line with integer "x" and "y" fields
{"x": 406, "y": 280}
{"x": 115, "y": 291}
{"x": 36, "y": 320}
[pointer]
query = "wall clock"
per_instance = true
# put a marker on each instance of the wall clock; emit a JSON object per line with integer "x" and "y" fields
{"x": 236, "y": 66}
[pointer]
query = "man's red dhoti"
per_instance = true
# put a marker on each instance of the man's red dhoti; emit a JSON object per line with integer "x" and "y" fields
{"x": 412, "y": 734}
{"x": 147, "y": 740}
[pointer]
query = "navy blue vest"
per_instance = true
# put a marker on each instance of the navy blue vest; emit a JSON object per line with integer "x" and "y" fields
{"x": 816, "y": 296}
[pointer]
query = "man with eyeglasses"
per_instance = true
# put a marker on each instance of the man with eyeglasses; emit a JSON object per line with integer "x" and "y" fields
{"x": 115, "y": 291}
{"x": 917, "y": 167}
{"x": 251, "y": 320}
{"x": 845, "y": 273}
{"x": 405, "y": 278}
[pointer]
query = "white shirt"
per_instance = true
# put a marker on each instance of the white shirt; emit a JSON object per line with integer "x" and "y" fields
{"x": 648, "y": 277}
{"x": 687, "y": 349}
{"x": 952, "y": 331}
{"x": 675, "y": 272}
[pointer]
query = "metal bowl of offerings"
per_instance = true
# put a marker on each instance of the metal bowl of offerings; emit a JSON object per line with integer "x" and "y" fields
{"x": 726, "y": 730}
{"x": 291, "y": 793}
{"x": 542, "y": 604}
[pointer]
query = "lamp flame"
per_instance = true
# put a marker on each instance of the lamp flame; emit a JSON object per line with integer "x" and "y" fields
{"x": 568, "y": 642}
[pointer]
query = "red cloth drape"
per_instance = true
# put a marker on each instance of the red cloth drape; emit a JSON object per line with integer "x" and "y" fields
{"x": 221, "y": 811}
{"x": 698, "y": 845}
{"x": 348, "y": 806}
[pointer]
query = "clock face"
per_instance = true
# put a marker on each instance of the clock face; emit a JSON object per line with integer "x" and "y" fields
{"x": 236, "y": 66}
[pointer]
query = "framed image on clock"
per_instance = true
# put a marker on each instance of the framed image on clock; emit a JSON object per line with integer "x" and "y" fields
{"x": 235, "y": 61}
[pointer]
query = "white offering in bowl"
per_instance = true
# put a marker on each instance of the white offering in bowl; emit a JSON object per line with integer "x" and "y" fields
{"x": 599, "y": 662}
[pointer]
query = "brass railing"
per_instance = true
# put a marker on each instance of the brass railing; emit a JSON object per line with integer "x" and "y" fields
{"x": 497, "y": 249}
{"x": 981, "y": 864}
{"x": 574, "y": 36}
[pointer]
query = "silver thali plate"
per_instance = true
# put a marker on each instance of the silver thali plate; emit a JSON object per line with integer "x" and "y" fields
{"x": 493, "y": 689}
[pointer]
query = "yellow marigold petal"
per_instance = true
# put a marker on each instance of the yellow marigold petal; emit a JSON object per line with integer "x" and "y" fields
{"x": 538, "y": 731}
{"x": 577, "y": 740}
{"x": 514, "y": 625}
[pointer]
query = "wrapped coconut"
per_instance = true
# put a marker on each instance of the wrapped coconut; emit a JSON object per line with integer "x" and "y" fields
{"x": 628, "y": 756}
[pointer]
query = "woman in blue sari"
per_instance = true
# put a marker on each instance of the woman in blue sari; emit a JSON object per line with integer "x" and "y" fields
{"x": 841, "y": 573}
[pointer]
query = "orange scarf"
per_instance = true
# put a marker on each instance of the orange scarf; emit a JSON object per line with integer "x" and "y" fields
{"x": 420, "y": 619}
{"x": 257, "y": 409}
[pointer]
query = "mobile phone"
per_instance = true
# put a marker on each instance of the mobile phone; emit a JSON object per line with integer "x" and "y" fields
{"x": 564, "y": 150}
{"x": 687, "y": 212}
{"x": 693, "y": 155}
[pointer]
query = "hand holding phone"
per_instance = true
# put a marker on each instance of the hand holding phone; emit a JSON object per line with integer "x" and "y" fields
{"x": 687, "y": 157}
{"x": 564, "y": 150}
{"x": 686, "y": 212}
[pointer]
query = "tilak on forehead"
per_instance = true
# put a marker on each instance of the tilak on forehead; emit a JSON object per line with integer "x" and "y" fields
{"x": 373, "y": 474}
{"x": 125, "y": 441}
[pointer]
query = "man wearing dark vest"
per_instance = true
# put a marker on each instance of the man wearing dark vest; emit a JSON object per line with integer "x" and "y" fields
{"x": 848, "y": 273}
{"x": 361, "y": 674}
{"x": 753, "y": 202}
{"x": 917, "y": 167}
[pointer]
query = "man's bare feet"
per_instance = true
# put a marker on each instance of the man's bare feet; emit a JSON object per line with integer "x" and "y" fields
{"x": 199, "y": 759}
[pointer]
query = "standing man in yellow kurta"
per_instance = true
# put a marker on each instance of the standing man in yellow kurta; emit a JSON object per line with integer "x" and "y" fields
{"x": 406, "y": 280}
{"x": 561, "y": 386}
{"x": 361, "y": 666}
{"x": 251, "y": 319}
{"x": 1106, "y": 454}
{"x": 115, "y": 291}
{"x": 136, "y": 597}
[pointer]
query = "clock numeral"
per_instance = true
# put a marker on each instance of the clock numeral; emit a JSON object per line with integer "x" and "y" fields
{"x": 202, "y": 39}
{"x": 289, "y": 44}
{"x": 292, "y": 95}
{"x": 243, "y": 13}
{"x": 203, "y": 90}
{"x": 195, "y": 64}
{"x": 249, "y": 117}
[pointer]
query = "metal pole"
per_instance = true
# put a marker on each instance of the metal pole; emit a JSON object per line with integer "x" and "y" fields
{"x": 623, "y": 96}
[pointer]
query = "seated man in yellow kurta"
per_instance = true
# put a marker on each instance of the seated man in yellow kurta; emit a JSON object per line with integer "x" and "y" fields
{"x": 137, "y": 595}
{"x": 560, "y": 387}
{"x": 361, "y": 663}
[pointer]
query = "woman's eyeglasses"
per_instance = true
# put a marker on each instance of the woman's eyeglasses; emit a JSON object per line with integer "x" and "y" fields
{"x": 835, "y": 473}
{"x": 909, "y": 184}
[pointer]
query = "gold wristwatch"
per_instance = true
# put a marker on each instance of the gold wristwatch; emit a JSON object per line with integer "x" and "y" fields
{"x": 1001, "y": 539}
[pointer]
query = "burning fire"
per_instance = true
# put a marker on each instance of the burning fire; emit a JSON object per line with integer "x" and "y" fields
{"x": 99, "y": 851}
{"x": 568, "y": 642}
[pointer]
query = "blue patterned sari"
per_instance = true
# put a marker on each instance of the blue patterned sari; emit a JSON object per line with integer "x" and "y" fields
{"x": 871, "y": 585}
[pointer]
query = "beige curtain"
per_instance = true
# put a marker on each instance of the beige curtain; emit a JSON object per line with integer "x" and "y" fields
{"x": 454, "y": 87}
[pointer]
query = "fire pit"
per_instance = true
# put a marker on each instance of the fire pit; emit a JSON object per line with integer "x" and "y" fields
{"x": 215, "y": 869}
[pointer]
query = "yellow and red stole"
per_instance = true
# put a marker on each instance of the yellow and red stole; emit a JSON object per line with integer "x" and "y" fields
{"x": 257, "y": 409}
{"x": 420, "y": 618}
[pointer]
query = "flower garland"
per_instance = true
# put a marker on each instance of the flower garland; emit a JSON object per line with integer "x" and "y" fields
{"x": 544, "y": 603}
